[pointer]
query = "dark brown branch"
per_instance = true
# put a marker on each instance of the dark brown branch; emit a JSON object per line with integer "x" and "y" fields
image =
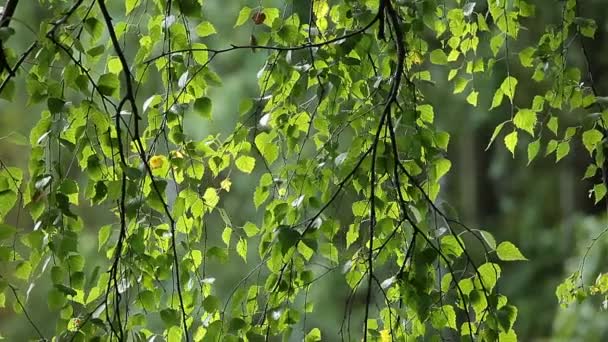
{"x": 17, "y": 65}
{"x": 130, "y": 97}
{"x": 5, "y": 20}
{"x": 308, "y": 45}
{"x": 385, "y": 5}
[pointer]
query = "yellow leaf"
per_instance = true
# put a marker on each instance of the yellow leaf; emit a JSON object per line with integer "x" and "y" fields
{"x": 156, "y": 162}
{"x": 225, "y": 184}
{"x": 385, "y": 335}
{"x": 177, "y": 154}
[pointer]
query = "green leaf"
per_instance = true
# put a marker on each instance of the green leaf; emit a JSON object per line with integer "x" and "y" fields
{"x": 497, "y": 99}
{"x": 241, "y": 249}
{"x": 562, "y": 150}
{"x": 507, "y": 251}
{"x": 590, "y": 171}
{"x": 211, "y": 304}
{"x": 526, "y": 56}
{"x": 553, "y": 125}
{"x": 287, "y": 238}
{"x": 506, "y": 316}
{"x": 18, "y": 139}
{"x": 427, "y": 113}
{"x": 525, "y": 119}
{"x": 114, "y": 65}
{"x": 489, "y": 239}
{"x": 211, "y": 197}
{"x": 56, "y": 299}
{"x": 205, "y": 29}
{"x": 6, "y": 33}
{"x": 526, "y": 9}
{"x": 94, "y": 27}
{"x": 245, "y": 106}
{"x": 508, "y": 87}
{"x": 9, "y": 91}
{"x": 539, "y": 73}
{"x": 226, "y": 234}
{"x": 23, "y": 270}
{"x": 203, "y": 107}
{"x": 601, "y": 283}
{"x": 130, "y": 5}
{"x": 250, "y": 229}
{"x": 170, "y": 317}
{"x": 591, "y": 138}
{"x": 496, "y": 43}
{"x": 236, "y": 324}
{"x": 551, "y": 147}
{"x": 442, "y": 166}
{"x": 76, "y": 262}
{"x": 147, "y": 300}
{"x": 481, "y": 21}
{"x": 460, "y": 84}
{"x": 360, "y": 208}
{"x": 200, "y": 53}
{"x": 450, "y": 316}
{"x": 271, "y": 14}
{"x": 104, "y": 235}
{"x": 245, "y": 163}
{"x": 442, "y": 139}
{"x": 259, "y": 196}
{"x": 508, "y": 336}
{"x": 70, "y": 188}
{"x": 599, "y": 191}
{"x": 438, "y": 56}
{"x": 533, "y": 149}
{"x": 497, "y": 130}
{"x": 313, "y": 336}
{"x": 352, "y": 234}
{"x": 490, "y": 272}
{"x": 586, "y": 26}
{"x": 472, "y": 98}
{"x": 511, "y": 142}
{"x": 7, "y": 231}
{"x": 55, "y": 105}
{"x": 57, "y": 275}
{"x": 538, "y": 103}
{"x": 452, "y": 74}
{"x": 267, "y": 147}
{"x": 219, "y": 253}
{"x": 243, "y": 16}
{"x": 450, "y": 245}
{"x": 570, "y": 132}
{"x": 108, "y": 84}
{"x": 66, "y": 290}
{"x": 444, "y": 316}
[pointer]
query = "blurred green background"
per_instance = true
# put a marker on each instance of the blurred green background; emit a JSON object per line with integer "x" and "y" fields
{"x": 543, "y": 208}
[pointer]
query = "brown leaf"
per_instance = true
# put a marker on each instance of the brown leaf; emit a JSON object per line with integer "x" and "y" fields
{"x": 258, "y": 17}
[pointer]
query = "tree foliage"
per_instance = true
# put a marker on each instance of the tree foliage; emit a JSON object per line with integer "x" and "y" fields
{"x": 342, "y": 143}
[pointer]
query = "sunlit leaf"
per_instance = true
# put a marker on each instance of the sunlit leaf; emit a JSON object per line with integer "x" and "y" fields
{"x": 511, "y": 142}
{"x": 507, "y": 251}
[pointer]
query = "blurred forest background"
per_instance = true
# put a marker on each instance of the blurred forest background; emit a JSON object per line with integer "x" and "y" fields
{"x": 544, "y": 208}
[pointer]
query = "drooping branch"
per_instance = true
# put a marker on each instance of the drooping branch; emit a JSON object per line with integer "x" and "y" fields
{"x": 385, "y": 6}
{"x": 5, "y": 20}
{"x": 130, "y": 97}
{"x": 234, "y": 47}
